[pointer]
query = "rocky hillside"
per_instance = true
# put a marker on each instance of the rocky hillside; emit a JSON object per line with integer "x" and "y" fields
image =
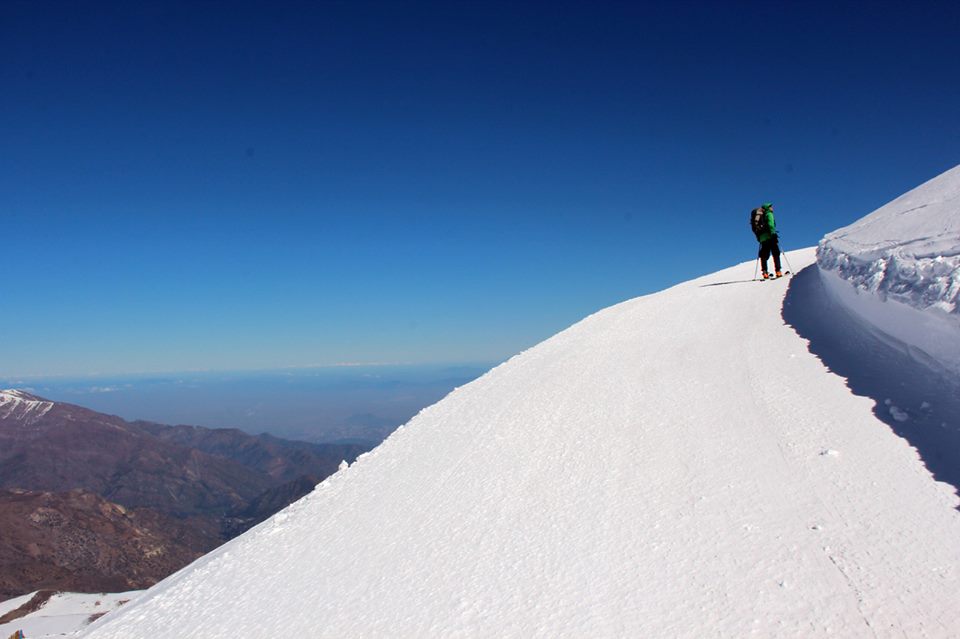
{"x": 162, "y": 494}
{"x": 79, "y": 541}
{"x": 50, "y": 446}
{"x": 281, "y": 459}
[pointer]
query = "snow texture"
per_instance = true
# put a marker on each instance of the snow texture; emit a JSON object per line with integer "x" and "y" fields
{"x": 64, "y": 614}
{"x": 899, "y": 268}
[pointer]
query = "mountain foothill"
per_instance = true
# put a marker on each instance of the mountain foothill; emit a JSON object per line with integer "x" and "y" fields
{"x": 94, "y": 503}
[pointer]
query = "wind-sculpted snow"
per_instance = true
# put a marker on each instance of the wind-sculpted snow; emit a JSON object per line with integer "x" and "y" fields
{"x": 678, "y": 465}
{"x": 905, "y": 254}
{"x": 907, "y": 250}
{"x": 914, "y": 398}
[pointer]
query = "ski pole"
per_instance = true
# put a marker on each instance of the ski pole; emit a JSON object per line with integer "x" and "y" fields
{"x": 789, "y": 265}
{"x": 755, "y": 267}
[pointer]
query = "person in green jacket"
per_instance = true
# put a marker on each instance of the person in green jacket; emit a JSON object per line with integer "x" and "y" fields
{"x": 765, "y": 228}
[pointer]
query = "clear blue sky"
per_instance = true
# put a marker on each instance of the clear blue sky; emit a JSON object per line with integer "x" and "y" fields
{"x": 231, "y": 185}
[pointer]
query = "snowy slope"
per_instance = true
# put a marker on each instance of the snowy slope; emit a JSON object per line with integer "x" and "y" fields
{"x": 678, "y": 465}
{"x": 899, "y": 268}
{"x": 64, "y": 613}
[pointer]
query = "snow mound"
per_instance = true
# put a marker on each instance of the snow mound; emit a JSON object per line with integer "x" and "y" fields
{"x": 899, "y": 268}
{"x": 678, "y": 465}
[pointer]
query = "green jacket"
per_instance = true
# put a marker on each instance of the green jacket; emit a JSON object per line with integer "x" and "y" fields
{"x": 771, "y": 229}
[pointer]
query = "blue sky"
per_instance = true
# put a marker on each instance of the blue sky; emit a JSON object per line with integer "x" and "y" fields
{"x": 217, "y": 186}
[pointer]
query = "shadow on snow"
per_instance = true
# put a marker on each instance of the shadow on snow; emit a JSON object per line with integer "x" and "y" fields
{"x": 729, "y": 283}
{"x": 919, "y": 402}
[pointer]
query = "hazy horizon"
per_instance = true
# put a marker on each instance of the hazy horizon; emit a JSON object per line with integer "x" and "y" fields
{"x": 318, "y": 404}
{"x": 209, "y": 186}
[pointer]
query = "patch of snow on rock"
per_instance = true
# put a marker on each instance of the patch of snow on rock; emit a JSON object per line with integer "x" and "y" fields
{"x": 64, "y": 613}
{"x": 22, "y": 406}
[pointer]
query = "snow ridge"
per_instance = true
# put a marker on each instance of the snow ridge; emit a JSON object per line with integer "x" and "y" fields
{"x": 898, "y": 269}
{"x": 923, "y": 272}
{"x": 22, "y": 406}
{"x": 632, "y": 476}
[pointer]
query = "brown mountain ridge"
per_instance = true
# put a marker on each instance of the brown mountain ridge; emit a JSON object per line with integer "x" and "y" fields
{"x": 75, "y": 478}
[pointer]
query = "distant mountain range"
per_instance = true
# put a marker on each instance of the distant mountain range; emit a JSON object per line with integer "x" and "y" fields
{"x": 94, "y": 502}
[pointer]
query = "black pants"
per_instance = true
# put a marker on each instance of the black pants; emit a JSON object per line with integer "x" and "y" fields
{"x": 766, "y": 248}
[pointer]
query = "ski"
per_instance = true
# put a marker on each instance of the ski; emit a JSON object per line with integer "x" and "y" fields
{"x": 772, "y": 277}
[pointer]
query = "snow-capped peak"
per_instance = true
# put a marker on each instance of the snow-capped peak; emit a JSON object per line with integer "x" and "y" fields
{"x": 22, "y": 406}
